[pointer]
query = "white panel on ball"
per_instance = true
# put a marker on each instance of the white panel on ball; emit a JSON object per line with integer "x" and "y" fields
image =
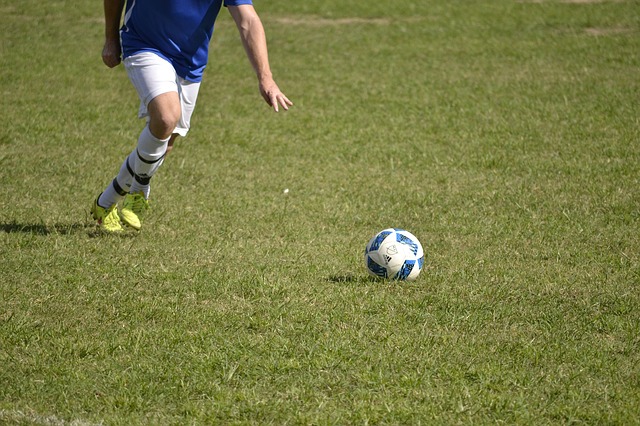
{"x": 394, "y": 254}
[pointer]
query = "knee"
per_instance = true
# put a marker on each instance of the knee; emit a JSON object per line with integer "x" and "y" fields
{"x": 167, "y": 123}
{"x": 163, "y": 125}
{"x": 164, "y": 114}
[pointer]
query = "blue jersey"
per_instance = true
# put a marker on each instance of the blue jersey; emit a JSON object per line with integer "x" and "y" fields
{"x": 177, "y": 30}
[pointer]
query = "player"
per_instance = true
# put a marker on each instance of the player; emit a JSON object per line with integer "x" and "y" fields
{"x": 165, "y": 45}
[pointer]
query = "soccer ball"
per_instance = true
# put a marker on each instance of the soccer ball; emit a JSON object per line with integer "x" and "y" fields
{"x": 394, "y": 254}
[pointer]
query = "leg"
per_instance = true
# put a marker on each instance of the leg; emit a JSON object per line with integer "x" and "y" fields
{"x": 156, "y": 83}
{"x": 169, "y": 114}
{"x": 146, "y": 158}
{"x": 164, "y": 113}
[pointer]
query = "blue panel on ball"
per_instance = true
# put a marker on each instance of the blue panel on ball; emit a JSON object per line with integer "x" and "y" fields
{"x": 421, "y": 262}
{"x": 408, "y": 241}
{"x": 379, "y": 270}
{"x": 406, "y": 269}
{"x": 375, "y": 245}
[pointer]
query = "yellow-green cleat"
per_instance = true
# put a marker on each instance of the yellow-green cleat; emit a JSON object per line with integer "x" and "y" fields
{"x": 133, "y": 208}
{"x": 108, "y": 219}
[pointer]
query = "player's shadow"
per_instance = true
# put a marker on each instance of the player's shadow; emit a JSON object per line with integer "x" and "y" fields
{"x": 59, "y": 229}
{"x": 44, "y": 229}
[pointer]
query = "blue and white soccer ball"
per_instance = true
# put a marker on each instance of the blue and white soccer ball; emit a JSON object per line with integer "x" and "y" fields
{"x": 394, "y": 254}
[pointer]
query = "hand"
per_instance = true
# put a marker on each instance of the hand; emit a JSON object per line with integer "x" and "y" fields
{"x": 111, "y": 53}
{"x": 273, "y": 96}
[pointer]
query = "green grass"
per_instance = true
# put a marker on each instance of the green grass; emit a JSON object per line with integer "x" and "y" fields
{"x": 504, "y": 134}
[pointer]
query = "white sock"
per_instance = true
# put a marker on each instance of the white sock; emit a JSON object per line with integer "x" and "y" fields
{"x": 150, "y": 152}
{"x": 138, "y": 187}
{"x": 119, "y": 186}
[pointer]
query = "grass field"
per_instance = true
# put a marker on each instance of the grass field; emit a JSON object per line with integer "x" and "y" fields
{"x": 504, "y": 134}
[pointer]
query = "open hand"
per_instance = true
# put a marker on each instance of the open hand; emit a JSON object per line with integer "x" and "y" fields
{"x": 274, "y": 96}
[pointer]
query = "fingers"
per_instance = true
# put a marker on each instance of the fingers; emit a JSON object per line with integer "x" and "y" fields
{"x": 277, "y": 100}
{"x": 273, "y": 96}
{"x": 285, "y": 102}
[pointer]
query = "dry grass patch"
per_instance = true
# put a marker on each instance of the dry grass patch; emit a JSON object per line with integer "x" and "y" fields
{"x": 591, "y": 1}
{"x": 573, "y": 1}
{"x": 608, "y": 31}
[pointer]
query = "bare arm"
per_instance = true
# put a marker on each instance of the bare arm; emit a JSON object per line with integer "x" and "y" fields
{"x": 254, "y": 41}
{"x": 112, "y": 15}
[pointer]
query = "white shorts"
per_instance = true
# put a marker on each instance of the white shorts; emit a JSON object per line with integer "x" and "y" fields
{"x": 152, "y": 75}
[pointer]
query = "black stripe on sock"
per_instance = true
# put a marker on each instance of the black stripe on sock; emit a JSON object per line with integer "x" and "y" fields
{"x": 142, "y": 180}
{"x": 118, "y": 188}
{"x": 144, "y": 160}
{"x": 129, "y": 169}
{"x": 98, "y": 203}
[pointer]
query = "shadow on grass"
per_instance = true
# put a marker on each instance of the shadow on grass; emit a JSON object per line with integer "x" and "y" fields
{"x": 42, "y": 229}
{"x": 57, "y": 229}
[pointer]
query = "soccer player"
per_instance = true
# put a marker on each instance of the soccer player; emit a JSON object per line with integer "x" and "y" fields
{"x": 164, "y": 45}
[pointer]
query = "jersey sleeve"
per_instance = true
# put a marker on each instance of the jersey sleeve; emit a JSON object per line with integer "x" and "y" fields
{"x": 236, "y": 2}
